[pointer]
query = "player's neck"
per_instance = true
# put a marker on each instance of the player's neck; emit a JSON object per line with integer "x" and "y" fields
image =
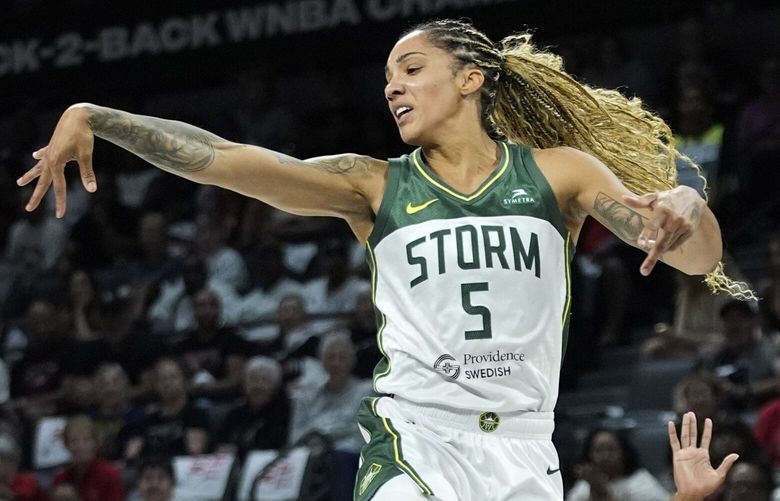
{"x": 463, "y": 160}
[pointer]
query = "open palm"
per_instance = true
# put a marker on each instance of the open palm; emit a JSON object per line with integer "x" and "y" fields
{"x": 694, "y": 475}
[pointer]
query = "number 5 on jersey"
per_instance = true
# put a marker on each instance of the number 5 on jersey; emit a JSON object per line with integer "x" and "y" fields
{"x": 465, "y": 295}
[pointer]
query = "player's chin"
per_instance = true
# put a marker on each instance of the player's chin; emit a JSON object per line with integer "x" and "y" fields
{"x": 409, "y": 136}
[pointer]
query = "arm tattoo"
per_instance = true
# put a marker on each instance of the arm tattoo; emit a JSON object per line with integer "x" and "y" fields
{"x": 696, "y": 214}
{"x": 623, "y": 221}
{"x": 341, "y": 164}
{"x": 173, "y": 146}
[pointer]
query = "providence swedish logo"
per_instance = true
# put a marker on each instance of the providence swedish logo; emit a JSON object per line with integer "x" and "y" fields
{"x": 447, "y": 366}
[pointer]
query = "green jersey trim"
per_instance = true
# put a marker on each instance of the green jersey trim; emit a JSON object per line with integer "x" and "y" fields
{"x": 568, "y": 280}
{"x": 382, "y": 456}
{"x": 393, "y": 176}
{"x": 554, "y": 214}
{"x": 569, "y": 249}
{"x": 398, "y": 452}
{"x": 383, "y": 367}
{"x": 431, "y": 178}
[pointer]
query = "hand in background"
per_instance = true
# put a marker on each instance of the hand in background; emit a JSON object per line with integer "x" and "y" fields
{"x": 694, "y": 475}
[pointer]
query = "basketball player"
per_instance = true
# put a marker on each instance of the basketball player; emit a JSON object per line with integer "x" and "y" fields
{"x": 469, "y": 239}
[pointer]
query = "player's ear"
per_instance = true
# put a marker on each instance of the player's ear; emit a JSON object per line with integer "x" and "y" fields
{"x": 470, "y": 80}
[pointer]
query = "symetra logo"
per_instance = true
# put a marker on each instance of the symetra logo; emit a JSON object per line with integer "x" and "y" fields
{"x": 414, "y": 209}
{"x": 521, "y": 196}
{"x": 446, "y": 365}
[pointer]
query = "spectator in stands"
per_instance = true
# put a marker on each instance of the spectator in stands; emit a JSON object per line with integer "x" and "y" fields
{"x": 701, "y": 394}
{"x": 747, "y": 481}
{"x": 35, "y": 241}
{"x": 697, "y": 310}
{"x": 156, "y": 479}
{"x": 106, "y": 233}
{"x": 299, "y": 341}
{"x": 224, "y": 264}
{"x": 767, "y": 430}
{"x": 87, "y": 348}
{"x": 745, "y": 362}
{"x": 299, "y": 236}
{"x": 31, "y": 249}
{"x": 338, "y": 290}
{"x": 699, "y": 135}
{"x": 152, "y": 258}
{"x": 14, "y": 485}
{"x": 176, "y": 426}
{"x": 262, "y": 419}
{"x": 735, "y": 437}
{"x": 172, "y": 309}
{"x": 36, "y": 379}
{"x": 610, "y": 470}
{"x": 128, "y": 340}
{"x": 363, "y": 329}
{"x": 212, "y": 353}
{"x": 330, "y": 406}
{"x": 93, "y": 478}
{"x": 115, "y": 419}
{"x": 696, "y": 329}
{"x": 271, "y": 280}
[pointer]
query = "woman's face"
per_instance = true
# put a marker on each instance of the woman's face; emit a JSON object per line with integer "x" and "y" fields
{"x": 701, "y": 399}
{"x": 82, "y": 446}
{"x": 606, "y": 454}
{"x": 155, "y": 485}
{"x": 420, "y": 79}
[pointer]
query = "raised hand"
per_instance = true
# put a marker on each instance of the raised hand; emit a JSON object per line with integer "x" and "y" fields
{"x": 72, "y": 140}
{"x": 675, "y": 216}
{"x": 694, "y": 475}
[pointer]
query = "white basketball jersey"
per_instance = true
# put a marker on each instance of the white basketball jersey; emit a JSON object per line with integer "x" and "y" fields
{"x": 472, "y": 292}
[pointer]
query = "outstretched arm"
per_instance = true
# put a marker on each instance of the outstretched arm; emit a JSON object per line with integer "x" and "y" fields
{"x": 694, "y": 475}
{"x": 674, "y": 226}
{"x": 332, "y": 186}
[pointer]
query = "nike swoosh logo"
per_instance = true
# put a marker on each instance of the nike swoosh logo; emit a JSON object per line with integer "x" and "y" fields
{"x": 550, "y": 471}
{"x": 413, "y": 209}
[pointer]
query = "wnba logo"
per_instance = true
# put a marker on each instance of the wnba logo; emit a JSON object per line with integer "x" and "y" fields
{"x": 446, "y": 365}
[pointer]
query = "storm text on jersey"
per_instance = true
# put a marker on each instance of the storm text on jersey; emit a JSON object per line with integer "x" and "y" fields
{"x": 477, "y": 246}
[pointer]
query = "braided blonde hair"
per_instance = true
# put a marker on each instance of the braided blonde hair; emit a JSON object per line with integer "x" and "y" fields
{"x": 528, "y": 98}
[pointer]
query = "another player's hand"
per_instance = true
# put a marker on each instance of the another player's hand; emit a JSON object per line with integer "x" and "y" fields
{"x": 72, "y": 140}
{"x": 675, "y": 216}
{"x": 694, "y": 476}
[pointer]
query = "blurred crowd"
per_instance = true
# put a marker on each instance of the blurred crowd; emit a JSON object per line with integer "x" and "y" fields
{"x": 164, "y": 318}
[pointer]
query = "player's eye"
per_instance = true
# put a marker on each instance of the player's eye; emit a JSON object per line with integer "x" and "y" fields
{"x": 411, "y": 70}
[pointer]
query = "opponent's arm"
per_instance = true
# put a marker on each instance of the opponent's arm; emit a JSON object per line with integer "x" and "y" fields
{"x": 322, "y": 186}
{"x": 675, "y": 226}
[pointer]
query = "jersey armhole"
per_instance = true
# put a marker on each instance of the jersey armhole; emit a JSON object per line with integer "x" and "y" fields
{"x": 551, "y": 202}
{"x": 394, "y": 165}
